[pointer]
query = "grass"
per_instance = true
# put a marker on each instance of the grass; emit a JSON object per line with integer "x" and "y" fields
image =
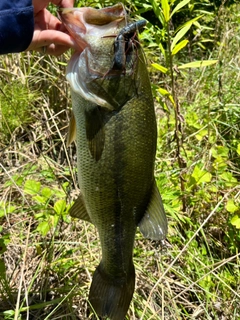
{"x": 47, "y": 259}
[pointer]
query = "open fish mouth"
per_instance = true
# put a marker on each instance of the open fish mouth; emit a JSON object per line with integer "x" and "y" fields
{"x": 83, "y": 23}
{"x": 89, "y": 21}
{"x": 108, "y": 47}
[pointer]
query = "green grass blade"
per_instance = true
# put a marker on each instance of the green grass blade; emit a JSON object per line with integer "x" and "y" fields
{"x": 198, "y": 64}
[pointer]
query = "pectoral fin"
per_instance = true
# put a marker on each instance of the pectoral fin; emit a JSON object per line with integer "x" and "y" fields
{"x": 71, "y": 130}
{"x": 154, "y": 223}
{"x": 78, "y": 210}
{"x": 95, "y": 132}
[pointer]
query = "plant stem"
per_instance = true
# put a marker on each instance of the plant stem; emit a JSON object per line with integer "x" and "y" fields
{"x": 178, "y": 120}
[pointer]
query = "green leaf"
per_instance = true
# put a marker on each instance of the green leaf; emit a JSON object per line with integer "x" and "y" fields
{"x": 201, "y": 134}
{"x": 189, "y": 22}
{"x": 65, "y": 186}
{"x": 201, "y": 175}
{"x": 197, "y": 24}
{"x": 179, "y": 6}
{"x": 39, "y": 215}
{"x": 162, "y": 50}
{"x": 32, "y": 187}
{"x": 59, "y": 193}
{"x": 238, "y": 149}
{"x": 166, "y": 9}
{"x": 231, "y": 207}
{"x": 235, "y": 221}
{"x": 198, "y": 64}
{"x": 6, "y": 208}
{"x": 179, "y": 46}
{"x": 204, "y": 250}
{"x": 40, "y": 199}
{"x": 213, "y": 189}
{"x": 220, "y": 151}
{"x": 159, "y": 67}
{"x": 8, "y": 313}
{"x": 60, "y": 206}
{"x": 179, "y": 35}
{"x": 164, "y": 92}
{"x": 228, "y": 177}
{"x": 157, "y": 11}
{"x": 220, "y": 163}
{"x": 3, "y": 249}
{"x": 43, "y": 227}
{"x": 46, "y": 192}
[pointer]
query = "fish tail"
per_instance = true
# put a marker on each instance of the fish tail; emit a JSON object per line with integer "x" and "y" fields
{"x": 111, "y": 297}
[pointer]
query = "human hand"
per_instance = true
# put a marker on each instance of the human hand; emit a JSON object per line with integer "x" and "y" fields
{"x": 50, "y": 36}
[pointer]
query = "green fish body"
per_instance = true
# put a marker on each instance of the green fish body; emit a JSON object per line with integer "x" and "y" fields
{"x": 116, "y": 136}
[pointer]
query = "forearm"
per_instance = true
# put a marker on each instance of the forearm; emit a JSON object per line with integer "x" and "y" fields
{"x": 16, "y": 25}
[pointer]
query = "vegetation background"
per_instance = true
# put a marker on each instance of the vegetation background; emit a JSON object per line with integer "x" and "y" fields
{"x": 46, "y": 258}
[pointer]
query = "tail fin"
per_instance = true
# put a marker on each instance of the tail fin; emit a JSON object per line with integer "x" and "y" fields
{"x": 111, "y": 297}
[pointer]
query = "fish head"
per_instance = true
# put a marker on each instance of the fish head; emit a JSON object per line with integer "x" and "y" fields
{"x": 94, "y": 31}
{"x": 104, "y": 67}
{"x": 82, "y": 23}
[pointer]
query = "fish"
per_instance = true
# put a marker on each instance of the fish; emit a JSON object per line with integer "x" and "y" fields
{"x": 115, "y": 128}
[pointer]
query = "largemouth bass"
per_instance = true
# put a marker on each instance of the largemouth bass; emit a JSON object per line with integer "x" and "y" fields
{"x": 115, "y": 127}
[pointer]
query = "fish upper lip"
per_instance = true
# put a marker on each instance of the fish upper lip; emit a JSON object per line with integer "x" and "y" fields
{"x": 86, "y": 17}
{"x": 86, "y": 21}
{"x": 96, "y": 16}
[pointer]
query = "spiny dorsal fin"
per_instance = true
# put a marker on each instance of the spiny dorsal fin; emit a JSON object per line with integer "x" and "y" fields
{"x": 95, "y": 132}
{"x": 71, "y": 130}
{"x": 154, "y": 222}
{"x": 78, "y": 210}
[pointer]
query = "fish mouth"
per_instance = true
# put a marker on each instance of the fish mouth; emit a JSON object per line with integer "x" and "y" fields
{"x": 89, "y": 21}
{"x": 107, "y": 53}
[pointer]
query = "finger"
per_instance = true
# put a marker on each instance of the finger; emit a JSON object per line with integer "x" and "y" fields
{"x": 47, "y": 37}
{"x": 64, "y": 3}
{"x": 54, "y": 50}
{"x": 45, "y": 20}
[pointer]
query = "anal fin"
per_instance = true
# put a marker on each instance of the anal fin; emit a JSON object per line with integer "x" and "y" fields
{"x": 78, "y": 210}
{"x": 154, "y": 222}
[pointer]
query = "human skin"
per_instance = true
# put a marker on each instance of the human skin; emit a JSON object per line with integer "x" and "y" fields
{"x": 50, "y": 36}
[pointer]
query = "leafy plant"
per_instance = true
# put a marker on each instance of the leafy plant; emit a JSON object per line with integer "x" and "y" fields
{"x": 175, "y": 44}
{"x": 48, "y": 211}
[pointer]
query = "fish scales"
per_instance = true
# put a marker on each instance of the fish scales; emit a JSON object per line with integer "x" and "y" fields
{"x": 116, "y": 136}
{"x": 124, "y": 168}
